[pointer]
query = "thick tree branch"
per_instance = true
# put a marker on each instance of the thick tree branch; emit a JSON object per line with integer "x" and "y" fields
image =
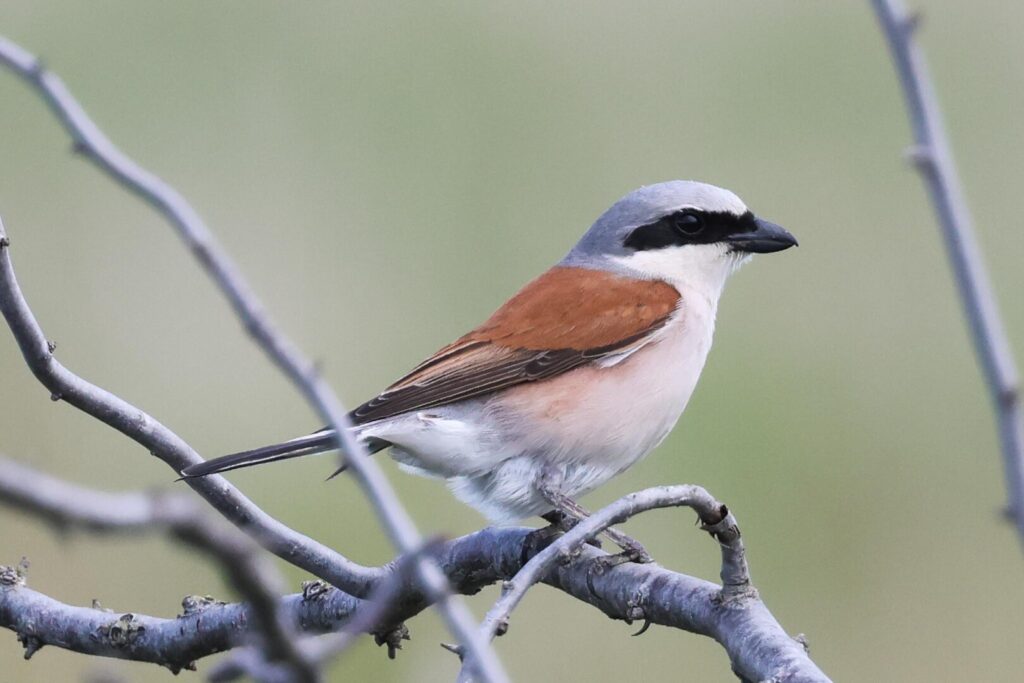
{"x": 471, "y": 562}
{"x": 69, "y": 506}
{"x": 204, "y": 628}
{"x": 933, "y": 158}
{"x": 758, "y": 647}
{"x": 91, "y": 142}
{"x": 734, "y": 615}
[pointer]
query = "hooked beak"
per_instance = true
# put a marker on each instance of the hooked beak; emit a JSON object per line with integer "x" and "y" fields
{"x": 764, "y": 239}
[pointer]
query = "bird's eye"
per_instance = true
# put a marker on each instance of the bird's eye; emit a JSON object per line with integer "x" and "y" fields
{"x": 688, "y": 223}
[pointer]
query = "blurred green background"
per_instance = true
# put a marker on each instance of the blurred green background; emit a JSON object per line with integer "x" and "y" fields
{"x": 387, "y": 175}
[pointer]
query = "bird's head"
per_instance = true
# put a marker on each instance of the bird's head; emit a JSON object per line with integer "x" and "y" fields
{"x": 683, "y": 232}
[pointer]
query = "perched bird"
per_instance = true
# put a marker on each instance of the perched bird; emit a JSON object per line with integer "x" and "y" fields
{"x": 575, "y": 378}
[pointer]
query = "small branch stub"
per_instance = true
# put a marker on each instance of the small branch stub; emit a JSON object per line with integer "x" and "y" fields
{"x": 9, "y": 576}
{"x": 457, "y": 650}
{"x": 393, "y": 639}
{"x": 919, "y": 155}
{"x": 911, "y": 22}
{"x": 194, "y": 604}
{"x": 31, "y": 644}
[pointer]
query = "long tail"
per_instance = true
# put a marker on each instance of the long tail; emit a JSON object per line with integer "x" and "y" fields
{"x": 318, "y": 442}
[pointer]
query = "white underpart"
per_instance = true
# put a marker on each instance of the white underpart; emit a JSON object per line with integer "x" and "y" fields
{"x": 588, "y": 424}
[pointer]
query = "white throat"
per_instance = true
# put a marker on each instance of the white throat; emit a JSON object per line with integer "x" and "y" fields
{"x": 692, "y": 269}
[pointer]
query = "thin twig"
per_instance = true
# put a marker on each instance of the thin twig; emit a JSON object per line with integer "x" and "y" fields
{"x": 932, "y": 156}
{"x": 91, "y": 142}
{"x": 714, "y": 517}
{"x": 69, "y": 506}
{"x": 134, "y": 423}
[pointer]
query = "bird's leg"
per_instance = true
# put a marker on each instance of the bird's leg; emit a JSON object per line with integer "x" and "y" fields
{"x": 568, "y": 512}
{"x": 538, "y": 539}
{"x": 559, "y": 520}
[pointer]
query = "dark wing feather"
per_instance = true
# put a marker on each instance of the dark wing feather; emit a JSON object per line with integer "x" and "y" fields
{"x": 565, "y": 318}
{"x": 480, "y": 369}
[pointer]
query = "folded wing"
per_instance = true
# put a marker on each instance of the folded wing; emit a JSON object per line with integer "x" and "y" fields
{"x": 564, "y": 319}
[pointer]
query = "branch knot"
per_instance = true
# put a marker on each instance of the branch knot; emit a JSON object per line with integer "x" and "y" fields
{"x": 725, "y": 530}
{"x": 122, "y": 632}
{"x": 910, "y": 23}
{"x": 9, "y": 576}
{"x": 315, "y": 590}
{"x": 193, "y": 604}
{"x": 14, "y": 576}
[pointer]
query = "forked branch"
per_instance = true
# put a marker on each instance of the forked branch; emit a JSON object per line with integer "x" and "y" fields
{"x": 732, "y": 614}
{"x": 714, "y": 516}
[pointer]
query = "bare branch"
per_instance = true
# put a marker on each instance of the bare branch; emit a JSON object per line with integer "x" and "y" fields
{"x": 284, "y": 542}
{"x": 715, "y": 518}
{"x": 375, "y": 612}
{"x": 91, "y": 142}
{"x": 735, "y": 576}
{"x": 733, "y": 614}
{"x": 201, "y": 630}
{"x": 66, "y": 505}
{"x": 933, "y": 158}
{"x": 758, "y": 647}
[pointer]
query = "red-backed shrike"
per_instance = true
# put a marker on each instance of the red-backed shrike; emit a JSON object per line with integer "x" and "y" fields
{"x": 576, "y": 377}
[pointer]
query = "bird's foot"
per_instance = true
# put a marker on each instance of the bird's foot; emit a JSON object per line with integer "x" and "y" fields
{"x": 606, "y": 562}
{"x": 559, "y": 519}
{"x": 565, "y": 523}
{"x": 538, "y": 539}
{"x": 632, "y": 550}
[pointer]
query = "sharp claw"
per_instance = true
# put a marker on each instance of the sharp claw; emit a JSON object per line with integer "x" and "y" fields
{"x": 631, "y": 548}
{"x": 637, "y": 555}
{"x": 643, "y": 629}
{"x": 633, "y": 555}
{"x": 633, "y": 552}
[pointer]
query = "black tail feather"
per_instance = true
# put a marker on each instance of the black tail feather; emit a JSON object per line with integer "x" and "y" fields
{"x": 372, "y": 446}
{"x": 312, "y": 444}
